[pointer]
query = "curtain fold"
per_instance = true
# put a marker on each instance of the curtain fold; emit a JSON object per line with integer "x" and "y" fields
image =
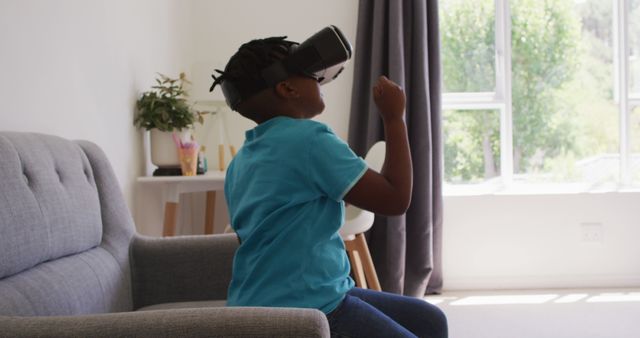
{"x": 400, "y": 39}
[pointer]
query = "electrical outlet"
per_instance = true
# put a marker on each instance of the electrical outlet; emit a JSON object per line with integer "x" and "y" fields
{"x": 592, "y": 232}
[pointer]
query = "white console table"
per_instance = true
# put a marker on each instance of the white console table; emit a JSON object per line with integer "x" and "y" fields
{"x": 173, "y": 186}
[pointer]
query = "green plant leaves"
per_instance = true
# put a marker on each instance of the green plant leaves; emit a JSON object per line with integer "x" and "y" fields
{"x": 165, "y": 106}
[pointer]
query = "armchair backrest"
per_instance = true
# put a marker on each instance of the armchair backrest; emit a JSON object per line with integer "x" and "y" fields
{"x": 64, "y": 229}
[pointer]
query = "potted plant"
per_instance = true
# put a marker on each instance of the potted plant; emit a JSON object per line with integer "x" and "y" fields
{"x": 163, "y": 111}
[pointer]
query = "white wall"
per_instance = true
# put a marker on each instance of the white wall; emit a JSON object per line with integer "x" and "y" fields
{"x": 537, "y": 241}
{"x": 74, "y": 68}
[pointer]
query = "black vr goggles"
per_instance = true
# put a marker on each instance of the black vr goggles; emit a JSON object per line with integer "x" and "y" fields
{"x": 322, "y": 57}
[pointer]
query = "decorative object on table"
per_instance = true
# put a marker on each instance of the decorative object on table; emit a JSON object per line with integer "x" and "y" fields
{"x": 217, "y": 116}
{"x": 163, "y": 111}
{"x": 188, "y": 154}
{"x": 223, "y": 138}
{"x": 203, "y": 165}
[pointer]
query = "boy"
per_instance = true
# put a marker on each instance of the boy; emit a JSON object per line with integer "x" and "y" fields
{"x": 285, "y": 190}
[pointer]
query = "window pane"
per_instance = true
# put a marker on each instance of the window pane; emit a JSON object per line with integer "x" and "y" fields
{"x": 634, "y": 47}
{"x": 467, "y": 31}
{"x": 471, "y": 145}
{"x": 564, "y": 118}
{"x": 634, "y": 121}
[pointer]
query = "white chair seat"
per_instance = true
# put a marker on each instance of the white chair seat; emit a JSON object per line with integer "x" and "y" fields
{"x": 356, "y": 221}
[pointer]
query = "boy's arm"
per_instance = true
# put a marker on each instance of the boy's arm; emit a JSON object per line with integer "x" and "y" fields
{"x": 388, "y": 192}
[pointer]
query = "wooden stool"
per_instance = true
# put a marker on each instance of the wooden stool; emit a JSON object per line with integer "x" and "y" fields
{"x": 361, "y": 263}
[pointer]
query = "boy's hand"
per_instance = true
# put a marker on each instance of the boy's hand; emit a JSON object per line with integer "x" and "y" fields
{"x": 389, "y": 98}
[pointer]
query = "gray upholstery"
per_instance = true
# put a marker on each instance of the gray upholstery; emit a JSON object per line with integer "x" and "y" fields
{"x": 71, "y": 263}
{"x": 202, "y": 322}
{"x": 178, "y": 257}
{"x": 61, "y": 188}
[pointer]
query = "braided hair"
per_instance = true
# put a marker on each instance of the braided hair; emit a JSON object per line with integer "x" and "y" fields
{"x": 245, "y": 66}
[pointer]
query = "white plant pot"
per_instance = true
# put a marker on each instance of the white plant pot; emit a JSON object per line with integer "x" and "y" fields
{"x": 164, "y": 152}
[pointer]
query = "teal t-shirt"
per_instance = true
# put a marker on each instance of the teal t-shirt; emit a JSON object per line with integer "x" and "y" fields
{"x": 284, "y": 191}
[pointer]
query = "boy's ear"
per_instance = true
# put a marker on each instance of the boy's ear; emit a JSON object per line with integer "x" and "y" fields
{"x": 286, "y": 90}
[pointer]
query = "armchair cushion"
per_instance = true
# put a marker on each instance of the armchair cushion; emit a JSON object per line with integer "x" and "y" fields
{"x": 200, "y": 322}
{"x": 181, "y": 269}
{"x": 49, "y": 190}
{"x": 64, "y": 229}
{"x": 67, "y": 286}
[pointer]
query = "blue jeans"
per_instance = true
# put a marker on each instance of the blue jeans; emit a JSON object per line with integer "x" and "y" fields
{"x": 368, "y": 313}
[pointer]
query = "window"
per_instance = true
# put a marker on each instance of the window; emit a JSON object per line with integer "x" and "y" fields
{"x": 540, "y": 94}
{"x": 634, "y": 122}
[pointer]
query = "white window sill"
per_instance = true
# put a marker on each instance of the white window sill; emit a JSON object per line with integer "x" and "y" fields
{"x": 538, "y": 188}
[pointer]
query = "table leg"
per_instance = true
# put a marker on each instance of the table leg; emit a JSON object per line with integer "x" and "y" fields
{"x": 170, "y": 214}
{"x": 210, "y": 212}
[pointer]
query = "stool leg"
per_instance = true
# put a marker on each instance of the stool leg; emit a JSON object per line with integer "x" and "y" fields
{"x": 367, "y": 262}
{"x": 356, "y": 264}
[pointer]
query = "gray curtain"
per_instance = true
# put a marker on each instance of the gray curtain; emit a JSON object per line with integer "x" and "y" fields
{"x": 399, "y": 39}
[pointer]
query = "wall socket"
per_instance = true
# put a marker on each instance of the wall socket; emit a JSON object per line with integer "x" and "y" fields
{"x": 591, "y": 232}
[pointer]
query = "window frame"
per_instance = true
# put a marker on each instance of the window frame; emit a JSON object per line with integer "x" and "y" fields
{"x": 501, "y": 98}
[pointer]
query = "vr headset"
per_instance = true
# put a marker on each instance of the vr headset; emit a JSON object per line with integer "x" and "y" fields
{"x": 322, "y": 57}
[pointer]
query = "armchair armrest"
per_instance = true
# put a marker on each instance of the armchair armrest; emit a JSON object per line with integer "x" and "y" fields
{"x": 180, "y": 269}
{"x": 202, "y": 322}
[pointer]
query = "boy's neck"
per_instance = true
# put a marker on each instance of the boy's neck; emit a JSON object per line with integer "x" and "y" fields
{"x": 267, "y": 117}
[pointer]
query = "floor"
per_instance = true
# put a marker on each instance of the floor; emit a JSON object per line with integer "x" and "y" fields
{"x": 602, "y": 313}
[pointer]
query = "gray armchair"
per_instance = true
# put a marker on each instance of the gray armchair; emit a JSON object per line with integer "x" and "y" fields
{"x": 71, "y": 264}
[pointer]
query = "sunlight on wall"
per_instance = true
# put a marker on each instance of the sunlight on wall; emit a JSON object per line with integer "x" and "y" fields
{"x": 510, "y": 299}
{"x": 571, "y": 298}
{"x": 615, "y": 297}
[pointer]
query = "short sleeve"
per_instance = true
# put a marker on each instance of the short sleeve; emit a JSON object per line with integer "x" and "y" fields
{"x": 333, "y": 167}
